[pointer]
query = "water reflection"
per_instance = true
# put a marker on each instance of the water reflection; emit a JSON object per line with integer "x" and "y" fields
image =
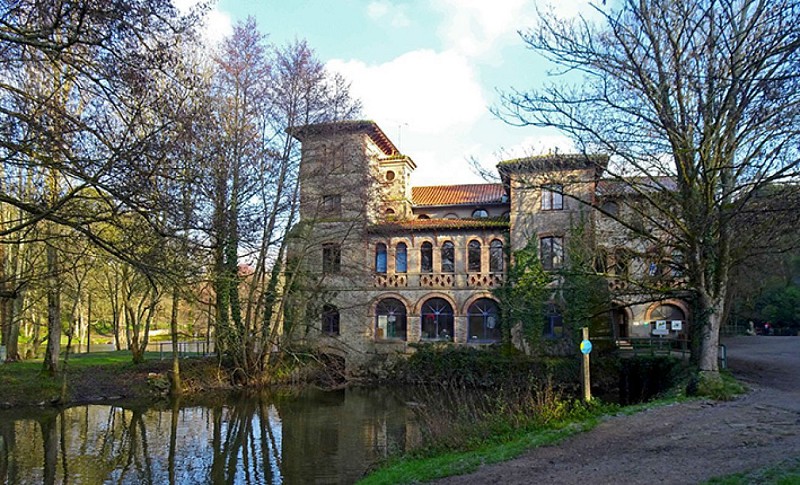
{"x": 310, "y": 437}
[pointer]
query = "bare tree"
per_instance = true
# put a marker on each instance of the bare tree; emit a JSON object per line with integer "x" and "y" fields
{"x": 258, "y": 94}
{"x": 698, "y": 98}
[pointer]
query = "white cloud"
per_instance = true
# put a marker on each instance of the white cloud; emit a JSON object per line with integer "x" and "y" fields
{"x": 216, "y": 23}
{"x": 430, "y": 92}
{"x": 381, "y": 10}
{"x": 473, "y": 27}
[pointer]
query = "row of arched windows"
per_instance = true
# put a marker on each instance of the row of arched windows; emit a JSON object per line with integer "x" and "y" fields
{"x": 436, "y": 320}
{"x": 447, "y": 259}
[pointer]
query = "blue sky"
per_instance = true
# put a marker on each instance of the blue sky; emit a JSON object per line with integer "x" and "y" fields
{"x": 426, "y": 71}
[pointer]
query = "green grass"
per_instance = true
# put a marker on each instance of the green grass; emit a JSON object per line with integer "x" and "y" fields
{"x": 411, "y": 470}
{"x": 785, "y": 473}
{"x": 24, "y": 382}
{"x": 432, "y": 463}
{"x": 723, "y": 387}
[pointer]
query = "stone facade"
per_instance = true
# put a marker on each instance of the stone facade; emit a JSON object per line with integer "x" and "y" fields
{"x": 386, "y": 264}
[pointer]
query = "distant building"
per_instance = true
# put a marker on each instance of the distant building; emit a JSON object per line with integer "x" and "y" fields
{"x": 390, "y": 264}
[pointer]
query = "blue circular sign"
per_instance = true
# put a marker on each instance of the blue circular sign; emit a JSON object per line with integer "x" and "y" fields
{"x": 586, "y": 346}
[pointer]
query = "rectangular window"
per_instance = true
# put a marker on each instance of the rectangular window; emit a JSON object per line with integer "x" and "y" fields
{"x": 331, "y": 258}
{"x": 448, "y": 257}
{"x": 552, "y": 197}
{"x": 401, "y": 258}
{"x": 553, "y": 326}
{"x": 426, "y": 258}
{"x": 552, "y": 252}
{"x": 332, "y": 205}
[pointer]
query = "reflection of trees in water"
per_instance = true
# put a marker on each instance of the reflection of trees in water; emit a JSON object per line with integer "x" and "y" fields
{"x": 255, "y": 439}
{"x": 249, "y": 448}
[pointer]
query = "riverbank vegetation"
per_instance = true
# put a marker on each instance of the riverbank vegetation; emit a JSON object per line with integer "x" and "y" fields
{"x": 484, "y": 406}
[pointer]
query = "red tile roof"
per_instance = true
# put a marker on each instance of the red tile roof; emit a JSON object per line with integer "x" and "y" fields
{"x": 475, "y": 194}
{"x": 428, "y": 224}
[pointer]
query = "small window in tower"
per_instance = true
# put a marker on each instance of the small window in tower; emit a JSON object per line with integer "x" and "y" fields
{"x": 332, "y": 205}
{"x": 553, "y": 197}
{"x": 390, "y": 212}
{"x": 389, "y": 175}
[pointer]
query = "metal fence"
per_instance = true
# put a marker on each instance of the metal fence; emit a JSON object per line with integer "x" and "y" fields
{"x": 193, "y": 348}
{"x": 653, "y": 346}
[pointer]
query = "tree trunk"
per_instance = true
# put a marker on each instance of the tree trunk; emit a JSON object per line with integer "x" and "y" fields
{"x": 176, "y": 388}
{"x": 50, "y": 445}
{"x": 709, "y": 321}
{"x": 53, "y": 312}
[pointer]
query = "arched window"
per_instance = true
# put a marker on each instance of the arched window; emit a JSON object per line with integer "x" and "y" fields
{"x": 483, "y": 321}
{"x": 423, "y": 216}
{"x": 380, "y": 258}
{"x": 390, "y": 212}
{"x": 451, "y": 215}
{"x": 496, "y": 256}
{"x": 390, "y": 319}
{"x": 448, "y": 257}
{"x": 330, "y": 320}
{"x": 474, "y": 257}
{"x": 480, "y": 213}
{"x": 426, "y": 258}
{"x": 401, "y": 258}
{"x": 437, "y": 320}
{"x": 667, "y": 312}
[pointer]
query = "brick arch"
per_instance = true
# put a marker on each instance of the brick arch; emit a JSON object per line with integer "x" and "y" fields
{"x": 678, "y": 303}
{"x": 418, "y": 241}
{"x": 617, "y": 304}
{"x": 449, "y": 299}
{"x": 397, "y": 296}
{"x": 394, "y": 241}
{"x": 477, "y": 296}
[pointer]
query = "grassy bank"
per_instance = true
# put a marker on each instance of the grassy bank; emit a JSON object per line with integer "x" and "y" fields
{"x": 524, "y": 403}
{"x": 431, "y": 463}
{"x": 97, "y": 377}
{"x": 482, "y": 446}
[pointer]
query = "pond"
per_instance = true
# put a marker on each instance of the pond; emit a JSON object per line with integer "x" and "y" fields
{"x": 308, "y": 436}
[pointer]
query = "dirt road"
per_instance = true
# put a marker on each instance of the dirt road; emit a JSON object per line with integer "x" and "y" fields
{"x": 681, "y": 443}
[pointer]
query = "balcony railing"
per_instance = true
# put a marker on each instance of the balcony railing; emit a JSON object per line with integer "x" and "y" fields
{"x": 437, "y": 280}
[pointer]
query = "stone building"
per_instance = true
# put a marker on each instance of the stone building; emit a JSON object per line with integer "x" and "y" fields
{"x": 385, "y": 264}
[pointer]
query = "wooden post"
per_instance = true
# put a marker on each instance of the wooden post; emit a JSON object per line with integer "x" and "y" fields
{"x": 585, "y": 380}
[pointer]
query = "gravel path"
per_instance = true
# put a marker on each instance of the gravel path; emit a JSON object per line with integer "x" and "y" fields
{"x": 681, "y": 443}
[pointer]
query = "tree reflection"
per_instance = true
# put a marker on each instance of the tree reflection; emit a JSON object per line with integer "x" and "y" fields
{"x": 300, "y": 437}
